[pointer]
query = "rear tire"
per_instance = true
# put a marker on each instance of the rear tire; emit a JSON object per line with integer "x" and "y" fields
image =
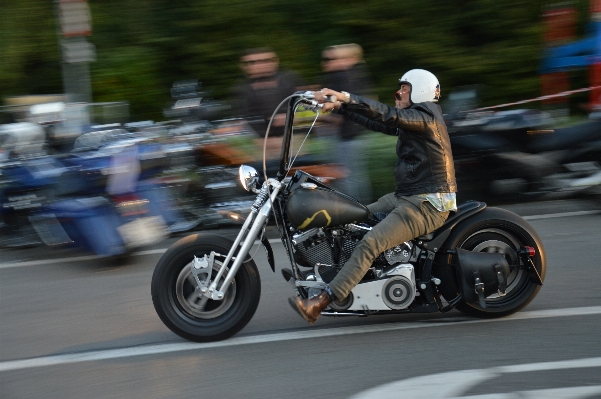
{"x": 494, "y": 230}
{"x": 178, "y": 302}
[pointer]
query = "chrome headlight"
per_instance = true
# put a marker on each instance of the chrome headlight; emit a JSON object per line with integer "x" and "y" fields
{"x": 249, "y": 178}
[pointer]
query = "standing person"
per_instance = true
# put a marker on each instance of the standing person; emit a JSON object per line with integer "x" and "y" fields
{"x": 264, "y": 87}
{"x": 424, "y": 173}
{"x": 344, "y": 68}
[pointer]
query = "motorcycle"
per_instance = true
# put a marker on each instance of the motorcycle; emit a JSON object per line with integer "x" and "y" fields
{"x": 25, "y": 188}
{"x": 518, "y": 154}
{"x": 486, "y": 262}
{"x": 27, "y": 175}
{"x": 102, "y": 197}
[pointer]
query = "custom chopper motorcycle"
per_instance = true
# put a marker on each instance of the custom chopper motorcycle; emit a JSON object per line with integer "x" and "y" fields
{"x": 486, "y": 262}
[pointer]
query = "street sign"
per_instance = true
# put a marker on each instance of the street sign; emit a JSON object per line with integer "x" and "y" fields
{"x": 78, "y": 51}
{"x": 75, "y": 18}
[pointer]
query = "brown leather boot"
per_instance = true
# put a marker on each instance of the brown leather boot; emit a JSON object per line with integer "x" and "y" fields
{"x": 310, "y": 309}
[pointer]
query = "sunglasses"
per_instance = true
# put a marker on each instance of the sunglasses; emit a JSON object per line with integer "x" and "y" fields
{"x": 260, "y": 61}
{"x": 326, "y": 59}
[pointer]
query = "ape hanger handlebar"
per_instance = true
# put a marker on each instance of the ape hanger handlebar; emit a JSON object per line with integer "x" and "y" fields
{"x": 307, "y": 99}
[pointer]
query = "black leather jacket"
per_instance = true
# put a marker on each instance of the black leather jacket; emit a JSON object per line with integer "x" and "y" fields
{"x": 425, "y": 161}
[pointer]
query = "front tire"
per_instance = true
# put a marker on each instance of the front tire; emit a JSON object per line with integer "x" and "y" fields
{"x": 501, "y": 231}
{"x": 177, "y": 299}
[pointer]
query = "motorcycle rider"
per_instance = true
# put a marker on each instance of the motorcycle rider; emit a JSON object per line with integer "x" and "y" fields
{"x": 424, "y": 172}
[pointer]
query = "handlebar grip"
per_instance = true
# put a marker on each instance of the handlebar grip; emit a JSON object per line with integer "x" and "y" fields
{"x": 331, "y": 99}
{"x": 311, "y": 104}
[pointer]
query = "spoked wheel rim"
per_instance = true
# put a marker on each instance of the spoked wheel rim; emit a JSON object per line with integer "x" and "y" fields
{"x": 191, "y": 301}
{"x": 504, "y": 242}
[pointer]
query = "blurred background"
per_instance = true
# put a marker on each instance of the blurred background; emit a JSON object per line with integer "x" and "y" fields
{"x": 122, "y": 127}
{"x": 81, "y": 81}
{"x": 142, "y": 47}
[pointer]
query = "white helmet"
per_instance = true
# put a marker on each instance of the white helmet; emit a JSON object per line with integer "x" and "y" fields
{"x": 424, "y": 85}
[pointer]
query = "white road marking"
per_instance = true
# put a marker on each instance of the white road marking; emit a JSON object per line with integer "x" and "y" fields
{"x": 108, "y": 354}
{"x": 48, "y": 261}
{"x": 452, "y": 385}
{"x": 561, "y": 215}
{"x": 555, "y": 393}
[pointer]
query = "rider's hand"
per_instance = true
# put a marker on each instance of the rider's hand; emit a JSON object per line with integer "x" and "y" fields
{"x": 328, "y": 107}
{"x": 320, "y": 96}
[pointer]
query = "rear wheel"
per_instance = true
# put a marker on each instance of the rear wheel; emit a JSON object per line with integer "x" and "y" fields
{"x": 181, "y": 306}
{"x": 496, "y": 231}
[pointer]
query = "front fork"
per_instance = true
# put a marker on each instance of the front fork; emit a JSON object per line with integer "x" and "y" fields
{"x": 260, "y": 212}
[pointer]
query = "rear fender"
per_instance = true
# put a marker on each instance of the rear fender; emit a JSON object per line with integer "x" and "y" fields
{"x": 437, "y": 238}
{"x": 491, "y": 216}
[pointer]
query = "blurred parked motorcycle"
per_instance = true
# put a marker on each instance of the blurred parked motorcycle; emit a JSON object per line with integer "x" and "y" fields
{"x": 518, "y": 155}
{"x": 103, "y": 197}
{"x": 26, "y": 178}
{"x": 204, "y": 173}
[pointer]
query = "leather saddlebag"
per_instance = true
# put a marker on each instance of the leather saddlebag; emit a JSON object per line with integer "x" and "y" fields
{"x": 481, "y": 274}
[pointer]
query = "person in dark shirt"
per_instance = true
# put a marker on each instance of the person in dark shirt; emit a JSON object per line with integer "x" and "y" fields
{"x": 264, "y": 87}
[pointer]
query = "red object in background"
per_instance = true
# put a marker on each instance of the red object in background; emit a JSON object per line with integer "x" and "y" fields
{"x": 560, "y": 25}
{"x": 595, "y": 9}
{"x": 595, "y": 80}
{"x": 595, "y": 69}
{"x": 553, "y": 83}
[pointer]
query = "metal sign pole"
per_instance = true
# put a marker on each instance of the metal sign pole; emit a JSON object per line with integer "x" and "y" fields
{"x": 74, "y": 23}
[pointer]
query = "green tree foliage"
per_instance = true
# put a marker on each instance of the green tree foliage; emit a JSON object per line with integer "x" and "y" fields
{"x": 143, "y": 46}
{"x": 29, "y": 53}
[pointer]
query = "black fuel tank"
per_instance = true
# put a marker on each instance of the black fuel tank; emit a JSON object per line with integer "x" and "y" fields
{"x": 320, "y": 207}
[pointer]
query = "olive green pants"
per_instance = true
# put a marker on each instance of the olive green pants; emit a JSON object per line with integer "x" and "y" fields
{"x": 408, "y": 217}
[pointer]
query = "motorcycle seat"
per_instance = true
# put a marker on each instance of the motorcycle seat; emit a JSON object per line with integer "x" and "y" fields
{"x": 462, "y": 209}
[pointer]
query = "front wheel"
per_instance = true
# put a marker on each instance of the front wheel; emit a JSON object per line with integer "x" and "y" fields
{"x": 495, "y": 230}
{"x": 179, "y": 303}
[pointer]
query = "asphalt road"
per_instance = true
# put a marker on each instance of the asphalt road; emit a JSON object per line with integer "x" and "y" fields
{"x": 72, "y": 326}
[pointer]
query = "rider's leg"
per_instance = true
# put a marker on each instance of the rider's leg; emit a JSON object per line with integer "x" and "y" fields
{"x": 411, "y": 217}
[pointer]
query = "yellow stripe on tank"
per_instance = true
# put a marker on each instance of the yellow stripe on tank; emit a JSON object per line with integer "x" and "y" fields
{"x": 309, "y": 220}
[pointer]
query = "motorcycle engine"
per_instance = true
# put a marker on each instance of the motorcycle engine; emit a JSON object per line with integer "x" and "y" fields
{"x": 334, "y": 247}
{"x": 331, "y": 247}
{"x": 390, "y": 284}
{"x": 328, "y": 249}
{"x": 399, "y": 254}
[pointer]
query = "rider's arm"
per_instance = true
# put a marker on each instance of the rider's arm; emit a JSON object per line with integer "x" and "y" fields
{"x": 415, "y": 118}
{"x": 368, "y": 123}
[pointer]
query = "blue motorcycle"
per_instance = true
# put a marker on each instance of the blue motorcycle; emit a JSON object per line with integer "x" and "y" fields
{"x": 103, "y": 197}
